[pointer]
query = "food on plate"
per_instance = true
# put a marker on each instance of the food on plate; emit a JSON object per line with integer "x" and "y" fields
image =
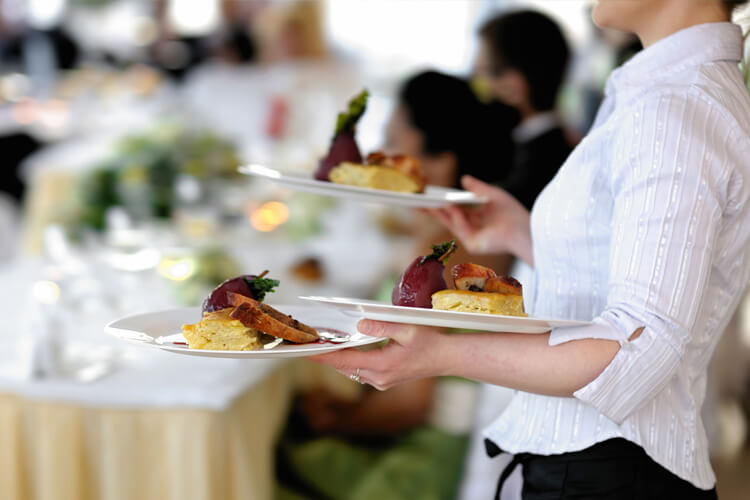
{"x": 218, "y": 330}
{"x": 423, "y": 277}
{"x": 471, "y": 276}
{"x": 478, "y": 290}
{"x": 235, "y": 318}
{"x": 392, "y": 173}
{"x": 343, "y": 146}
{"x": 248, "y": 285}
{"x": 268, "y": 320}
{"x": 309, "y": 269}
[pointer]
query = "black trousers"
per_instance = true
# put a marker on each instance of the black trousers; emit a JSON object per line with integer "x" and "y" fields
{"x": 616, "y": 469}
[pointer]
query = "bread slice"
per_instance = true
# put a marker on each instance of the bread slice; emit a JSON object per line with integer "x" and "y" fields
{"x": 268, "y": 320}
{"x": 479, "y": 302}
{"x": 374, "y": 177}
{"x": 217, "y": 330}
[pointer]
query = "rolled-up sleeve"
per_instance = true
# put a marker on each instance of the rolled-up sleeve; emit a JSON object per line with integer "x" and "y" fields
{"x": 666, "y": 216}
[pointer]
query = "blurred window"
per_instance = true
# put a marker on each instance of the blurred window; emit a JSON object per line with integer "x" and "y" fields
{"x": 45, "y": 14}
{"x": 194, "y": 18}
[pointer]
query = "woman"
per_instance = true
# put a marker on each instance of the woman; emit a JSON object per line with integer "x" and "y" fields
{"x": 522, "y": 60}
{"x": 645, "y": 231}
{"x": 439, "y": 120}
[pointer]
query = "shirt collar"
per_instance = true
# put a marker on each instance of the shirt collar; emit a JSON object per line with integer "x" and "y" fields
{"x": 691, "y": 46}
{"x": 535, "y": 126}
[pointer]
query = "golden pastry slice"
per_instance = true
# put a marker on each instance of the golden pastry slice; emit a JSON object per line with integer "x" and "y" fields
{"x": 373, "y": 177}
{"x": 217, "y": 330}
{"x": 392, "y": 173}
{"x": 479, "y": 302}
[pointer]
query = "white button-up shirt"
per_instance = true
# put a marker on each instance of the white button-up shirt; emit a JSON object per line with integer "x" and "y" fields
{"x": 647, "y": 224}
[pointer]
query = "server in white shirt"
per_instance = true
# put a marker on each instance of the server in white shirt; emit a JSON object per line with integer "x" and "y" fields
{"x": 644, "y": 231}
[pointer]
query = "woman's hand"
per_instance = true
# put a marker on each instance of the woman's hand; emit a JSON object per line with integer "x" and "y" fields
{"x": 413, "y": 352}
{"x": 499, "y": 226}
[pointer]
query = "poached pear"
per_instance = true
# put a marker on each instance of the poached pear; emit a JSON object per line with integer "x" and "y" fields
{"x": 248, "y": 285}
{"x": 343, "y": 146}
{"x": 423, "y": 277}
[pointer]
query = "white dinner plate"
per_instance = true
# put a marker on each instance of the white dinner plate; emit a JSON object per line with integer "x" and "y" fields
{"x": 433, "y": 197}
{"x": 161, "y": 330}
{"x": 382, "y": 311}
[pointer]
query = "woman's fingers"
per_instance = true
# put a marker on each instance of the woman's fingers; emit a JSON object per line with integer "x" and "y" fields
{"x": 348, "y": 360}
{"x": 459, "y": 223}
{"x": 438, "y": 214}
{"x": 396, "y": 331}
{"x": 478, "y": 187}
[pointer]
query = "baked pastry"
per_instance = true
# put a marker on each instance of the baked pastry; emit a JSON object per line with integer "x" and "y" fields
{"x": 217, "y": 330}
{"x": 480, "y": 290}
{"x": 235, "y": 319}
{"x": 478, "y": 302}
{"x": 392, "y": 173}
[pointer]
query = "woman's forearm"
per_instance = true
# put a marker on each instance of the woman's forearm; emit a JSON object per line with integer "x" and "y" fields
{"x": 526, "y": 362}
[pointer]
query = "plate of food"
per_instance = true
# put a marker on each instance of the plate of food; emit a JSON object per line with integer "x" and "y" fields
{"x": 235, "y": 322}
{"x": 479, "y": 300}
{"x": 431, "y": 197}
{"x": 378, "y": 178}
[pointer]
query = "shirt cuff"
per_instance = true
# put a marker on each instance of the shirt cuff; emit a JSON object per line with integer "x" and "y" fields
{"x": 638, "y": 372}
{"x": 598, "y": 329}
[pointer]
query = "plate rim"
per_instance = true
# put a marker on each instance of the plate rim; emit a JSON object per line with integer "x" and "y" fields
{"x": 384, "y": 306}
{"x": 142, "y": 338}
{"x": 340, "y": 189}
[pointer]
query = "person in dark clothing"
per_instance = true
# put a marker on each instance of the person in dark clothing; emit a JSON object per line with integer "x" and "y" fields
{"x": 522, "y": 60}
{"x": 439, "y": 120}
{"x": 15, "y": 147}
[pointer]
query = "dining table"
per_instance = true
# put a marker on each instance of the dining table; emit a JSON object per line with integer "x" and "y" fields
{"x": 89, "y": 416}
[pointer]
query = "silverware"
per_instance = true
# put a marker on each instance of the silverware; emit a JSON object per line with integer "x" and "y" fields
{"x": 336, "y": 338}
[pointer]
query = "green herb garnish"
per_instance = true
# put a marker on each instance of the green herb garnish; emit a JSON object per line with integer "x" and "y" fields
{"x": 260, "y": 286}
{"x": 348, "y": 119}
{"x": 441, "y": 252}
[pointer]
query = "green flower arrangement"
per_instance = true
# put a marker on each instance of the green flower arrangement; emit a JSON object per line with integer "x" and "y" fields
{"x": 141, "y": 174}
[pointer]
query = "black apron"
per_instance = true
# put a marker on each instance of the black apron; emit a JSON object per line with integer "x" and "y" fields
{"x": 616, "y": 469}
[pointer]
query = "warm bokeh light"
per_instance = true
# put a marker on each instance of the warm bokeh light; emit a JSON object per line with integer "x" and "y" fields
{"x": 269, "y": 216}
{"x": 177, "y": 269}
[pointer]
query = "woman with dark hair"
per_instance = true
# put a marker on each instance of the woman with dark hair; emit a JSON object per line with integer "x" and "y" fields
{"x": 439, "y": 120}
{"x": 644, "y": 233}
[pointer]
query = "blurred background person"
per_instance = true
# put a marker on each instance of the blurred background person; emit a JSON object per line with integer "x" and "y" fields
{"x": 439, "y": 120}
{"x": 290, "y": 31}
{"x": 522, "y": 61}
{"x": 33, "y": 41}
{"x": 235, "y": 42}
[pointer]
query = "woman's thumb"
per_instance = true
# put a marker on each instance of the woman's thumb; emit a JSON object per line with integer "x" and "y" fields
{"x": 476, "y": 186}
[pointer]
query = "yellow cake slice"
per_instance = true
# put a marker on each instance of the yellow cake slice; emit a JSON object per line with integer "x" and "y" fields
{"x": 479, "y": 302}
{"x": 218, "y": 331}
{"x": 373, "y": 176}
